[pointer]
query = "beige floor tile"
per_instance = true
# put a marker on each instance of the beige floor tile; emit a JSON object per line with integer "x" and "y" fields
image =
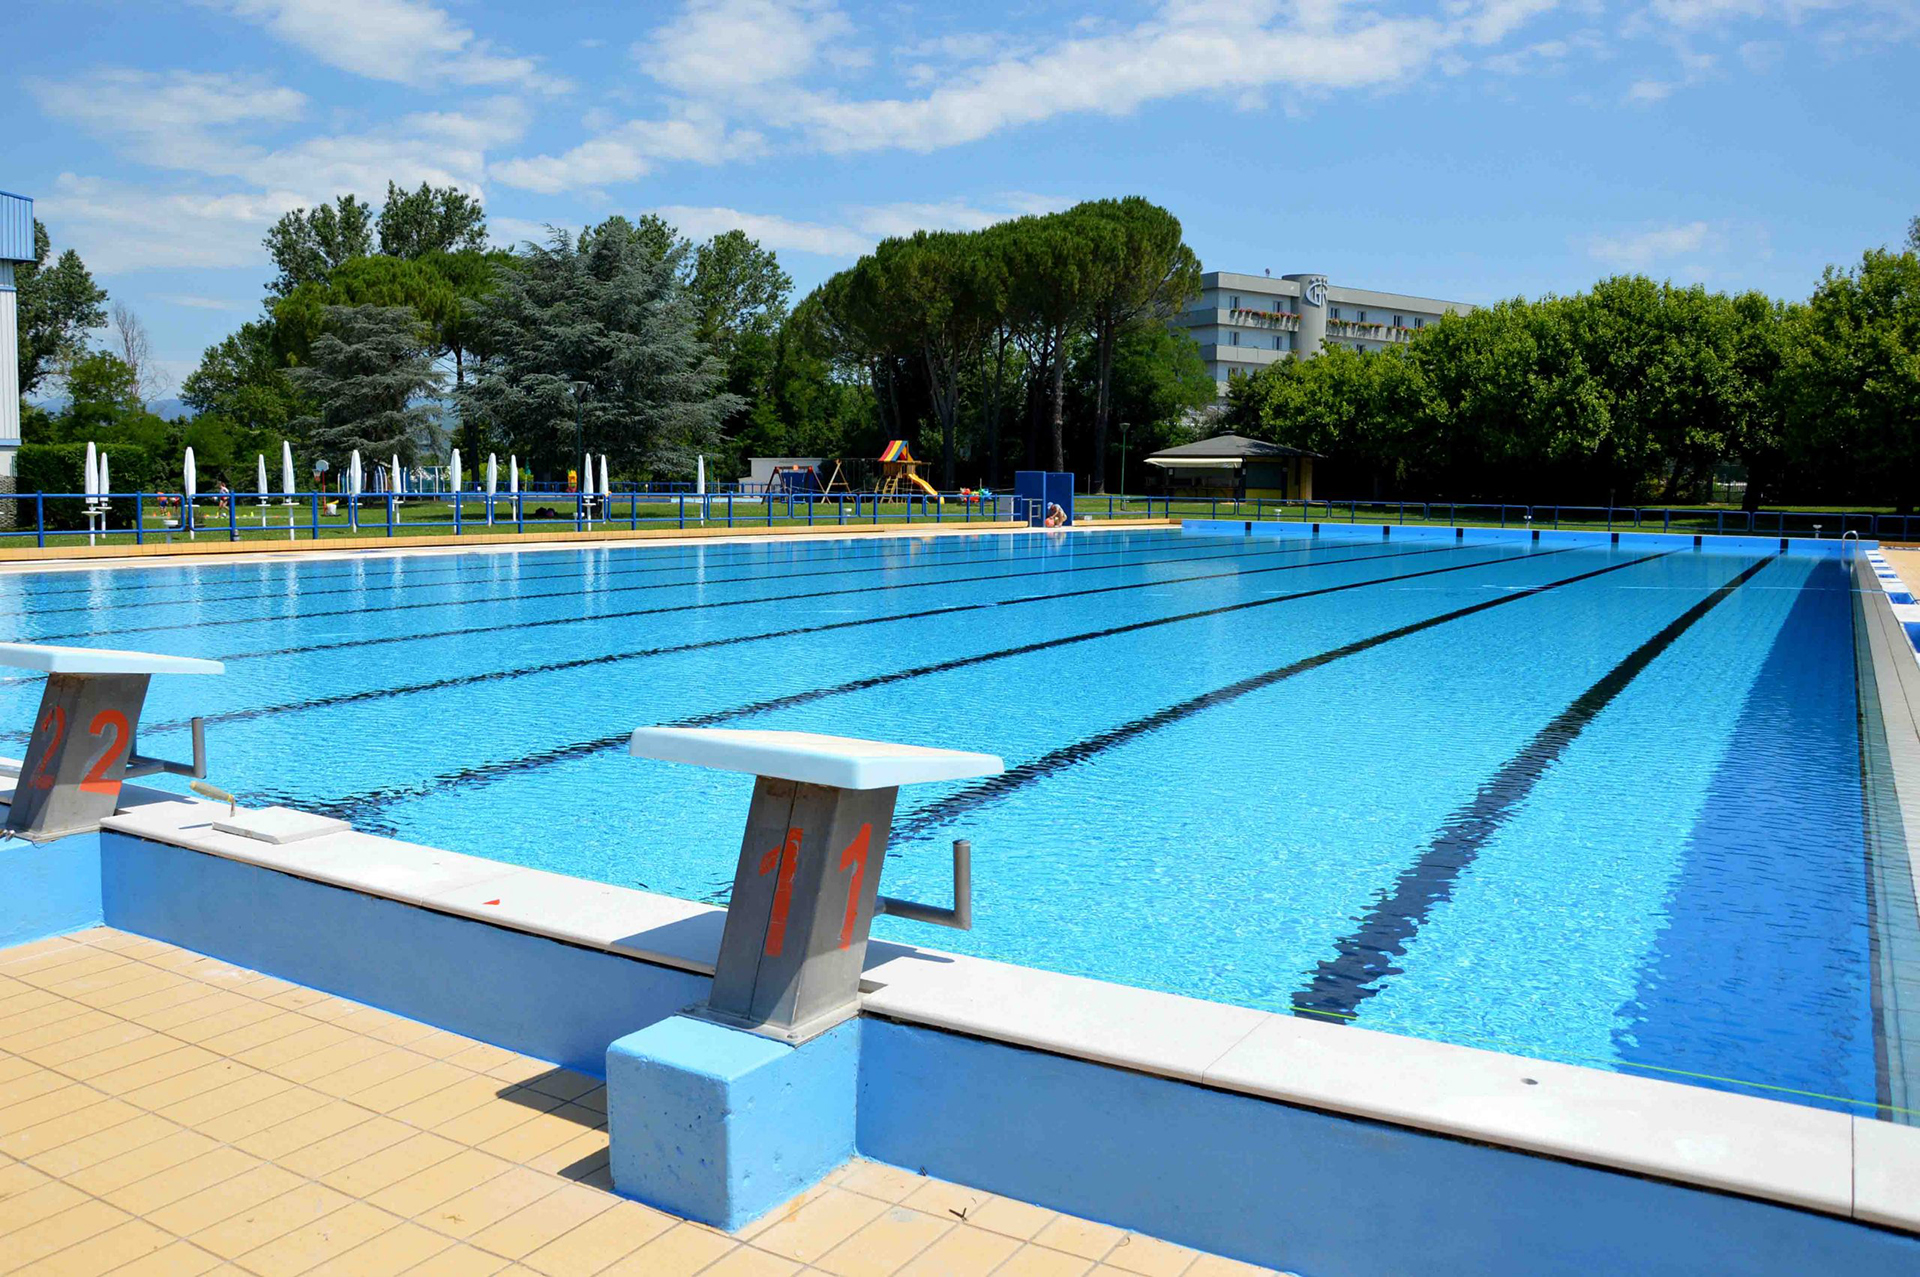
{"x": 22, "y": 1020}
{"x": 30, "y": 1112}
{"x": 299, "y": 999}
{"x": 210, "y": 1017}
{"x": 27, "y": 1247}
{"x": 52, "y": 1045}
{"x": 563, "y": 1084}
{"x": 464, "y": 1095}
{"x": 876, "y": 1179}
{"x": 429, "y": 1078}
{"x": 817, "y": 1225}
{"x": 938, "y": 1197}
{"x": 145, "y": 1196}
{"x": 383, "y": 1064}
{"x": 116, "y": 997}
{"x": 98, "y": 1145}
{"x": 1013, "y": 1218}
{"x": 613, "y": 1233}
{"x": 397, "y": 1250}
{"x": 460, "y": 1261}
{"x": 235, "y": 1093}
{"x": 486, "y": 1204}
{"x": 136, "y": 1062}
{"x": 746, "y": 1262}
{"x": 136, "y": 1239}
{"x": 217, "y": 1202}
{"x": 885, "y": 1245}
{"x": 276, "y": 1040}
{"x": 217, "y": 1075}
{"x": 1080, "y": 1237}
{"x": 347, "y": 1147}
{"x": 422, "y": 1191}
{"x": 546, "y": 1131}
{"x": 263, "y": 986}
{"x": 262, "y": 1115}
{"x": 964, "y": 1252}
{"x": 67, "y": 966}
{"x": 578, "y": 1152}
{"x": 535, "y": 1225}
{"x": 136, "y": 1164}
{"x": 261, "y": 1223}
{"x": 37, "y": 1202}
{"x": 17, "y": 1177}
{"x": 1038, "y": 1261}
{"x": 12, "y": 1065}
{"x": 23, "y": 956}
{"x": 1150, "y": 1257}
{"x": 314, "y": 1050}
{"x": 681, "y": 1251}
{"x": 439, "y": 1044}
{"x": 323, "y": 1240}
{"x": 1218, "y": 1266}
{"x": 181, "y": 1259}
{"x": 66, "y": 1128}
{"x": 521, "y": 1068}
{"x": 310, "y": 1127}
{"x": 487, "y": 1121}
{"x": 26, "y": 1086}
{"x": 409, "y": 1157}
{"x": 182, "y": 993}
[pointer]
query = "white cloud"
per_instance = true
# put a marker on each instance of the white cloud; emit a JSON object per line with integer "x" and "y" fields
{"x": 714, "y": 46}
{"x": 1641, "y": 250}
{"x": 121, "y": 100}
{"x": 630, "y": 151}
{"x": 1642, "y": 92}
{"x": 859, "y": 228}
{"x": 401, "y": 41}
{"x": 195, "y": 302}
{"x": 121, "y": 227}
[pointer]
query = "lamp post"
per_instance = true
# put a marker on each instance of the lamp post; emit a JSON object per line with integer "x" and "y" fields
{"x": 580, "y": 392}
{"x": 1123, "y": 462}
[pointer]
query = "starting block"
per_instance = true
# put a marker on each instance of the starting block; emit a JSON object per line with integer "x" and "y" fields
{"x": 807, "y": 884}
{"x": 85, "y": 740}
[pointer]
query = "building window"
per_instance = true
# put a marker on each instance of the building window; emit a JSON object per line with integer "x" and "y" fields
{"x": 1235, "y": 304}
{"x": 1333, "y": 312}
{"x": 1233, "y": 339}
{"x": 1363, "y": 317}
{"x": 1399, "y": 321}
{"x": 1278, "y": 343}
{"x": 1419, "y": 322}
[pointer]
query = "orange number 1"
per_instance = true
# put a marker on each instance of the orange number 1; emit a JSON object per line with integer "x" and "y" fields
{"x": 855, "y": 858}
{"x": 787, "y": 857}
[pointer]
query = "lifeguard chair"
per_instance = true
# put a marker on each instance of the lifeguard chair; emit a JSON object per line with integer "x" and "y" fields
{"x": 900, "y": 473}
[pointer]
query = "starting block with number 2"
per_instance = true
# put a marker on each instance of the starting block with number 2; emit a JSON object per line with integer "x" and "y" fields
{"x": 86, "y": 733}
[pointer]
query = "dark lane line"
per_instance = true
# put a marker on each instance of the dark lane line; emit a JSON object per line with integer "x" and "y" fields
{"x": 1054, "y": 761}
{"x": 1367, "y": 954}
{"x": 617, "y": 589}
{"x": 617, "y": 658}
{"x": 602, "y": 617}
{"x": 461, "y": 577}
{"x": 360, "y": 808}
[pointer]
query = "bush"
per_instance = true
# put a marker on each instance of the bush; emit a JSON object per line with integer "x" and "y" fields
{"x": 61, "y": 467}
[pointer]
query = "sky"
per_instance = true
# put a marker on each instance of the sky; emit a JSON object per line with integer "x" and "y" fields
{"x": 1463, "y": 149}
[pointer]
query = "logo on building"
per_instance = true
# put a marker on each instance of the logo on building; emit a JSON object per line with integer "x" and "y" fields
{"x": 1314, "y": 289}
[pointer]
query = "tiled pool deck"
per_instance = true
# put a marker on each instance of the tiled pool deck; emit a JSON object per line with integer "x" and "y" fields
{"x": 164, "y": 1112}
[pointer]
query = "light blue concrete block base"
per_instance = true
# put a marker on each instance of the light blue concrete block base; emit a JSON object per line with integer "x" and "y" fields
{"x": 48, "y": 888}
{"x": 721, "y": 1126}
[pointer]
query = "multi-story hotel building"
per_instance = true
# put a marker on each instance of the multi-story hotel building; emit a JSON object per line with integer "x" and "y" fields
{"x": 1245, "y": 322}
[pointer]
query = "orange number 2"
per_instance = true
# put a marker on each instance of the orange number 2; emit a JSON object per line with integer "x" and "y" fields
{"x": 95, "y": 781}
{"x": 57, "y": 719}
{"x": 787, "y": 857}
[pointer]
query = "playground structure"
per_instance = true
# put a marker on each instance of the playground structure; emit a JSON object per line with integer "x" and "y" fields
{"x": 900, "y": 473}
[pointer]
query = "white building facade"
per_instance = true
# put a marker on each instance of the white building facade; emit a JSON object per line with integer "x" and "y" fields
{"x": 1242, "y": 323}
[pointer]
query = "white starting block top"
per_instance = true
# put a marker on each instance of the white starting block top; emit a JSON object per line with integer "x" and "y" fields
{"x": 838, "y": 761}
{"x": 100, "y": 660}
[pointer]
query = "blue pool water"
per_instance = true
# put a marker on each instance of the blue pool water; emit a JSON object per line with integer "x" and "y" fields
{"x": 1599, "y": 805}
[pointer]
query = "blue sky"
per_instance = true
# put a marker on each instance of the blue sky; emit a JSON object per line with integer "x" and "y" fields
{"x": 1465, "y": 149}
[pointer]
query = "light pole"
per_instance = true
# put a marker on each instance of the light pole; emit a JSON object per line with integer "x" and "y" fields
{"x": 580, "y": 392}
{"x": 1123, "y": 462}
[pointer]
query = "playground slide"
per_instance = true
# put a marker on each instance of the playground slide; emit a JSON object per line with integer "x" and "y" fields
{"x": 923, "y": 485}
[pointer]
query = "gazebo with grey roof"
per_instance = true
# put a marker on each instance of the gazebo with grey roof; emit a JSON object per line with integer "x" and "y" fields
{"x": 1233, "y": 465}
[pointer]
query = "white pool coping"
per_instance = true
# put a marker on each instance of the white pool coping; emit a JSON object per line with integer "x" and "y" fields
{"x": 1837, "y": 1163}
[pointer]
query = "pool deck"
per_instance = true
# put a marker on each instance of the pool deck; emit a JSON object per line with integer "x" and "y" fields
{"x": 165, "y": 1112}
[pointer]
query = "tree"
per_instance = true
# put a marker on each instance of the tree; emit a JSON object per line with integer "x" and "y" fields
{"x": 135, "y": 349}
{"x": 433, "y": 219}
{"x": 371, "y": 370}
{"x": 307, "y": 244}
{"x": 55, "y": 306}
{"x": 243, "y": 380}
{"x": 1913, "y": 235}
{"x": 737, "y": 288}
{"x": 1853, "y": 372}
{"x": 1157, "y": 385}
{"x": 610, "y": 310}
{"x": 1050, "y": 286}
{"x": 1140, "y": 268}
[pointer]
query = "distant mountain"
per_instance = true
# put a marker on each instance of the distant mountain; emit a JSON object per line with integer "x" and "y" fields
{"x": 168, "y": 408}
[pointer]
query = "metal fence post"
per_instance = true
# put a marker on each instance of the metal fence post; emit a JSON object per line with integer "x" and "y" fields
{"x": 389, "y": 516}
{"x": 316, "y": 516}
{"x": 40, "y": 519}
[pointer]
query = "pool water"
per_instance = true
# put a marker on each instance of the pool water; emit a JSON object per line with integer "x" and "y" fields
{"x": 1598, "y": 805}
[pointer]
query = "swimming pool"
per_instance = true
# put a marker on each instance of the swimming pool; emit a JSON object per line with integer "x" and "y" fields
{"x": 1600, "y": 805}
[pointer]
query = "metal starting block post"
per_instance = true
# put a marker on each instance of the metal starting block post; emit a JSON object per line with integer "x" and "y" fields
{"x": 808, "y": 881}
{"x": 84, "y": 741}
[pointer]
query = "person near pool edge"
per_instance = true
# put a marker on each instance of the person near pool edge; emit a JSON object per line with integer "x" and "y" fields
{"x": 1056, "y": 517}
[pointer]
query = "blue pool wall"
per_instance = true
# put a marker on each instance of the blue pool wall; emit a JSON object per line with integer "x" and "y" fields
{"x": 48, "y": 888}
{"x": 1253, "y": 1179}
{"x": 1554, "y": 536}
